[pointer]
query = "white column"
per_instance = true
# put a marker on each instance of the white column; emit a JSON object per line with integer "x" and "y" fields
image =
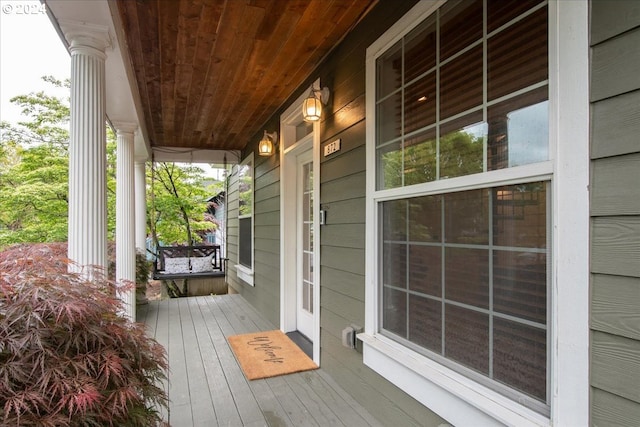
{"x": 125, "y": 215}
{"x": 141, "y": 206}
{"x": 87, "y": 147}
{"x": 141, "y": 219}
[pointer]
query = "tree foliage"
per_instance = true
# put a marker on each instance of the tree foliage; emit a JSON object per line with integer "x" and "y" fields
{"x": 34, "y": 171}
{"x": 33, "y": 177}
{"x": 179, "y": 203}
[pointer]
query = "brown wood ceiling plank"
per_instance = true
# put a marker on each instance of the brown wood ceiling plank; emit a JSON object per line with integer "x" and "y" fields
{"x": 266, "y": 50}
{"x": 339, "y": 27}
{"x": 236, "y": 77}
{"x": 231, "y": 18}
{"x": 150, "y": 55}
{"x": 210, "y": 73}
{"x": 284, "y": 72}
{"x": 168, "y": 14}
{"x": 204, "y": 56}
{"x": 186, "y": 41}
{"x": 142, "y": 32}
{"x": 341, "y": 24}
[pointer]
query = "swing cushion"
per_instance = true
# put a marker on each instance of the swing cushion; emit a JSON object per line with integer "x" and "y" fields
{"x": 201, "y": 264}
{"x": 176, "y": 265}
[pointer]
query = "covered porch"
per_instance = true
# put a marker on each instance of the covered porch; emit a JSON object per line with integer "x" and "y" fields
{"x": 206, "y": 386}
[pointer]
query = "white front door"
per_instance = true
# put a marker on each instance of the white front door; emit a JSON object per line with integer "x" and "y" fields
{"x": 305, "y": 244}
{"x": 299, "y": 225}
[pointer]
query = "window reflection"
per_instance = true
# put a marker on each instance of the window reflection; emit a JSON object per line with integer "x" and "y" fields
{"x": 519, "y": 131}
{"x": 420, "y": 158}
{"x": 462, "y": 146}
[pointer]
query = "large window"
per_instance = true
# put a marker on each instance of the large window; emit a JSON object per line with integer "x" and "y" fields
{"x": 462, "y": 190}
{"x": 245, "y": 220}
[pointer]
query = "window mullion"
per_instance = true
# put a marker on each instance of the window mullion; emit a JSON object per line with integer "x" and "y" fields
{"x": 438, "y": 96}
{"x": 407, "y": 263}
{"x": 485, "y": 96}
{"x": 490, "y": 249}
{"x": 443, "y": 274}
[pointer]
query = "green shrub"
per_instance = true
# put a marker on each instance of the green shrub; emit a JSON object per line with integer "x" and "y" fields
{"x": 66, "y": 357}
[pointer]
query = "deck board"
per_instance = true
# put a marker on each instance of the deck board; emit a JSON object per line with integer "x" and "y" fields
{"x": 207, "y": 387}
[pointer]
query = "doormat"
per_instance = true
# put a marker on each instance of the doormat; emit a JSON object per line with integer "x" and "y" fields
{"x": 269, "y": 354}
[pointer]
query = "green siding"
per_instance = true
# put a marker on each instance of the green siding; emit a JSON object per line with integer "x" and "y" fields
{"x": 265, "y": 294}
{"x": 614, "y": 309}
{"x": 610, "y": 410}
{"x": 615, "y": 125}
{"x": 615, "y": 189}
{"x": 613, "y": 17}
{"x": 615, "y": 213}
{"x": 615, "y": 365}
{"x": 614, "y": 66}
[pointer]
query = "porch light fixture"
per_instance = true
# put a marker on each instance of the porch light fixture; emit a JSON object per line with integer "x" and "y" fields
{"x": 312, "y": 106}
{"x": 267, "y": 144}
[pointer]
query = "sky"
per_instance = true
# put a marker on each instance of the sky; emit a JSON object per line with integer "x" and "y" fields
{"x": 29, "y": 49}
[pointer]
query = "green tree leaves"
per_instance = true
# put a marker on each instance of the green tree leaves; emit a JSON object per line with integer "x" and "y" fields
{"x": 34, "y": 170}
{"x": 178, "y": 205}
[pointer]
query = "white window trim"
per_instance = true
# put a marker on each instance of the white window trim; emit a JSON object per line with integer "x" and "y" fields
{"x": 245, "y": 273}
{"x": 453, "y": 396}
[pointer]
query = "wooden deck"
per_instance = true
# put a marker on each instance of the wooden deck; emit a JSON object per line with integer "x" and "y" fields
{"x": 206, "y": 386}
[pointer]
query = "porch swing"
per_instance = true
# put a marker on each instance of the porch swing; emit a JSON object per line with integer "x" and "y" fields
{"x": 172, "y": 263}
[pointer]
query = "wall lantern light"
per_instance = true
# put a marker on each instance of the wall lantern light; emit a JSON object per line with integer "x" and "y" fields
{"x": 312, "y": 106}
{"x": 267, "y": 145}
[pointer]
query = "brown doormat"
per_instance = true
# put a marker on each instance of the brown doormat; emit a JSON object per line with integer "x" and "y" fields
{"x": 269, "y": 354}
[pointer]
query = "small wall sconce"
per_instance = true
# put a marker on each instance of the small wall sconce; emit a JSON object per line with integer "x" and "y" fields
{"x": 267, "y": 145}
{"x": 312, "y": 106}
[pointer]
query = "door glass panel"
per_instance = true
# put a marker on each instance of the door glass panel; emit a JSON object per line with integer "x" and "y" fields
{"x": 307, "y": 236}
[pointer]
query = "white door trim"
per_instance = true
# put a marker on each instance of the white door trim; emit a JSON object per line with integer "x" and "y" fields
{"x": 289, "y": 151}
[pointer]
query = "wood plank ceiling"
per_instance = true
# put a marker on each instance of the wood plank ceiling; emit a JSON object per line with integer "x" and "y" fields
{"x": 211, "y": 72}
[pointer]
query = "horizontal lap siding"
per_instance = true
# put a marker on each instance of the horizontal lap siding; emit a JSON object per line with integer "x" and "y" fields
{"x": 615, "y": 212}
{"x": 342, "y": 238}
{"x": 265, "y": 294}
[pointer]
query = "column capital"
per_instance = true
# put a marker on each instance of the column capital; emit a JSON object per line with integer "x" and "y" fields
{"x": 125, "y": 127}
{"x": 86, "y": 38}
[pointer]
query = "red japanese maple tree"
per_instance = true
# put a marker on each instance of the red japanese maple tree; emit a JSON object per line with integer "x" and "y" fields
{"x": 67, "y": 358}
